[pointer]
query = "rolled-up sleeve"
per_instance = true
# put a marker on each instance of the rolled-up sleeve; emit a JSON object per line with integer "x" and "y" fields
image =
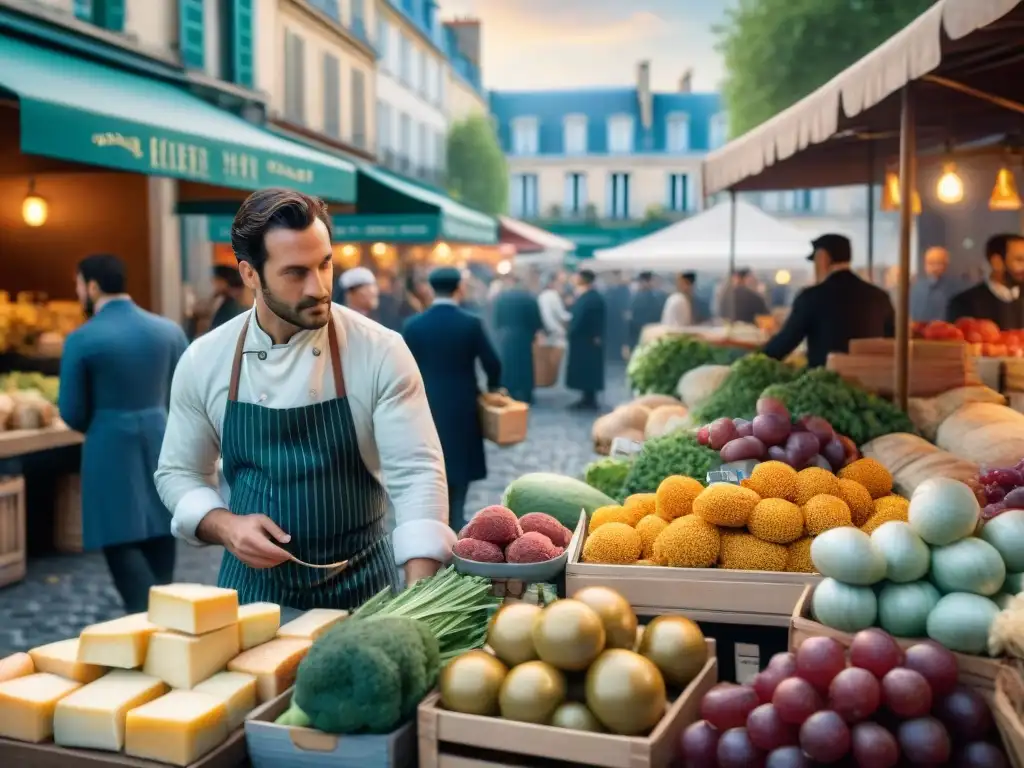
{"x": 186, "y": 476}
{"x": 411, "y": 461}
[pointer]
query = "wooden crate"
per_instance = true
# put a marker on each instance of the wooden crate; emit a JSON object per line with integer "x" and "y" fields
{"x": 762, "y": 598}
{"x": 1008, "y": 708}
{"x": 453, "y": 740}
{"x": 979, "y": 672}
{"x": 504, "y": 421}
{"x": 67, "y": 533}
{"x": 1013, "y": 374}
{"x": 12, "y": 530}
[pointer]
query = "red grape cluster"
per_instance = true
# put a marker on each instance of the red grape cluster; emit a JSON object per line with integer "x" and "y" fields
{"x": 999, "y": 490}
{"x": 809, "y": 441}
{"x": 882, "y": 708}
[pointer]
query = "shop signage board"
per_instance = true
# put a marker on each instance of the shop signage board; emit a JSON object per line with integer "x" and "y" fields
{"x": 384, "y": 228}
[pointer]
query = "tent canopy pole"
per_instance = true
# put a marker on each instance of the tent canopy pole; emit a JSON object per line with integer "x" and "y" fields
{"x": 908, "y": 183}
{"x": 871, "y": 211}
{"x": 732, "y": 253}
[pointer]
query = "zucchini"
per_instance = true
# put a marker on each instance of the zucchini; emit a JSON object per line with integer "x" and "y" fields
{"x": 560, "y": 496}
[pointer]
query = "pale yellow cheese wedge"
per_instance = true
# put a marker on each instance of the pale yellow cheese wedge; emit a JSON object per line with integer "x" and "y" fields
{"x": 236, "y": 690}
{"x": 93, "y": 717}
{"x": 16, "y": 665}
{"x": 27, "y": 705}
{"x": 273, "y": 665}
{"x": 61, "y": 658}
{"x": 177, "y": 728}
{"x": 312, "y": 624}
{"x": 120, "y": 643}
{"x": 258, "y": 623}
{"x": 194, "y": 609}
{"x": 183, "y": 661}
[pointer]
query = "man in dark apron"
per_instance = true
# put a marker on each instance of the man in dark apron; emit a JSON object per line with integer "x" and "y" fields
{"x": 321, "y": 418}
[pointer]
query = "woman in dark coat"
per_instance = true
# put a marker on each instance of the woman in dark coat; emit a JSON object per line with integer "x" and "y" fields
{"x": 585, "y": 369}
{"x": 516, "y": 324}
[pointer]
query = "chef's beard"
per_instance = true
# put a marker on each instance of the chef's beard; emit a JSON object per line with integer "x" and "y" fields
{"x": 295, "y": 315}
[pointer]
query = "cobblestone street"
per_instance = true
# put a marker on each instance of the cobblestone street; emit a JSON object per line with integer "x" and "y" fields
{"x": 64, "y": 593}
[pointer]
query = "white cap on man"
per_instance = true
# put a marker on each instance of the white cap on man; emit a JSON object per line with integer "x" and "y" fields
{"x": 356, "y": 277}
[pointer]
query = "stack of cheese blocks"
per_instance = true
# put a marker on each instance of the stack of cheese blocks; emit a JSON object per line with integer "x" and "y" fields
{"x": 169, "y": 685}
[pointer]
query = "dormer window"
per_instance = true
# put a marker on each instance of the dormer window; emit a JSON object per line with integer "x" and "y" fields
{"x": 678, "y": 132}
{"x": 525, "y": 140}
{"x": 575, "y": 134}
{"x": 620, "y": 134}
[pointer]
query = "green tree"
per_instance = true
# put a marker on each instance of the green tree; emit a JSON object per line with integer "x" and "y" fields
{"x": 477, "y": 172}
{"x": 778, "y": 51}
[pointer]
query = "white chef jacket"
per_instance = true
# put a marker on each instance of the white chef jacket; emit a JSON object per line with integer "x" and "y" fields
{"x": 554, "y": 316}
{"x": 678, "y": 312}
{"x": 397, "y": 438}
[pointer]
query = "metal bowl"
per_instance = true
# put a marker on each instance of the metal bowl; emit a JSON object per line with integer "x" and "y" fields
{"x": 533, "y": 573}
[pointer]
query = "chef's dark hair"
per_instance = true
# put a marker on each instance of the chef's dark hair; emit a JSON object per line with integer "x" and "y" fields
{"x": 997, "y": 245}
{"x": 106, "y": 270}
{"x": 267, "y": 210}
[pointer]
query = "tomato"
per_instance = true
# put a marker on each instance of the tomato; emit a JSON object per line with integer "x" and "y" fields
{"x": 965, "y": 324}
{"x": 972, "y": 337}
{"x": 989, "y": 331}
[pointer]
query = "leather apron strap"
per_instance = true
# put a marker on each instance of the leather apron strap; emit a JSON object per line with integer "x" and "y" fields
{"x": 332, "y": 342}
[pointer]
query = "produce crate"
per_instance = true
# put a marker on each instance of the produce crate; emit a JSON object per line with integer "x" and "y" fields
{"x": 17, "y": 754}
{"x": 748, "y": 612}
{"x": 1008, "y": 709}
{"x": 277, "y": 746}
{"x": 67, "y": 529}
{"x": 454, "y": 740}
{"x": 12, "y": 530}
{"x": 1013, "y": 374}
{"x": 935, "y": 366}
{"x": 978, "y": 672}
{"x": 504, "y": 421}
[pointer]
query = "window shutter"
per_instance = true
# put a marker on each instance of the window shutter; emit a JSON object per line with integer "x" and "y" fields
{"x": 83, "y": 10}
{"x": 332, "y": 96}
{"x": 190, "y": 34}
{"x": 111, "y": 14}
{"x": 358, "y": 108}
{"x": 241, "y": 42}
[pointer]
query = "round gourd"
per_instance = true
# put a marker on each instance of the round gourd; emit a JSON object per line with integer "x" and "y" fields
{"x": 903, "y": 609}
{"x": 906, "y": 555}
{"x": 968, "y": 565}
{"x": 943, "y": 510}
{"x": 1003, "y": 600}
{"x": 1005, "y": 532}
{"x": 847, "y": 555}
{"x": 1014, "y": 583}
{"x": 843, "y": 606}
{"x": 961, "y": 622}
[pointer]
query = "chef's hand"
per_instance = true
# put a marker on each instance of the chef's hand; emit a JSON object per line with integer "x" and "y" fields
{"x": 419, "y": 568}
{"x": 250, "y": 538}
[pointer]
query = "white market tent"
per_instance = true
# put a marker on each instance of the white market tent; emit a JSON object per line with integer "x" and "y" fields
{"x": 536, "y": 246}
{"x": 703, "y": 242}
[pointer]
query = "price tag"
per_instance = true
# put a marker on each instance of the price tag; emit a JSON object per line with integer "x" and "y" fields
{"x": 748, "y": 662}
{"x": 624, "y": 448}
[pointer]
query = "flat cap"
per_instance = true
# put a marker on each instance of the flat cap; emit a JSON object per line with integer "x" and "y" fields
{"x": 445, "y": 279}
{"x": 356, "y": 277}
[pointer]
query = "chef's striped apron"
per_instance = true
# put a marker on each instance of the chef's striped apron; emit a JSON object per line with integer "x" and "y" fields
{"x": 301, "y": 467}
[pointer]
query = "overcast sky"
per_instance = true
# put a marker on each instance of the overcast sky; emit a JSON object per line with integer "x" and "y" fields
{"x": 542, "y": 44}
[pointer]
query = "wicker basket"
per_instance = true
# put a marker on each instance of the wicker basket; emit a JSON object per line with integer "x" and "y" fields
{"x": 1008, "y": 708}
{"x": 502, "y": 419}
{"x": 547, "y": 362}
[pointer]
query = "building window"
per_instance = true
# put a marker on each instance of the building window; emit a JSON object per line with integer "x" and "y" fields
{"x": 383, "y": 126}
{"x": 524, "y": 136}
{"x": 382, "y": 41}
{"x": 405, "y": 51}
{"x": 294, "y": 78}
{"x": 678, "y": 199}
{"x": 524, "y": 198}
{"x": 718, "y": 128}
{"x": 358, "y": 108}
{"x": 404, "y": 138}
{"x": 442, "y": 151}
{"x": 575, "y": 193}
{"x": 419, "y": 64}
{"x": 332, "y": 95}
{"x": 678, "y": 133}
{"x": 574, "y": 135}
{"x": 328, "y": 7}
{"x": 358, "y": 19}
{"x": 620, "y": 134}
{"x": 618, "y": 195}
{"x": 108, "y": 14}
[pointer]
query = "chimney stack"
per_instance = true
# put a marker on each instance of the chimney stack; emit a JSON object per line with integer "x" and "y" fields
{"x": 643, "y": 92}
{"x": 686, "y": 82}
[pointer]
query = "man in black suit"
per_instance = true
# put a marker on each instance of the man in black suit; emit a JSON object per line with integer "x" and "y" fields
{"x": 839, "y": 308}
{"x": 740, "y": 302}
{"x": 446, "y": 342}
{"x": 645, "y": 307}
{"x": 584, "y": 371}
{"x": 999, "y": 298}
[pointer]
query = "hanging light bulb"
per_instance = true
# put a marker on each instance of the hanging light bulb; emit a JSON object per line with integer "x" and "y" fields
{"x": 950, "y": 188}
{"x": 34, "y": 209}
{"x": 782, "y": 277}
{"x": 890, "y": 192}
{"x": 1005, "y": 196}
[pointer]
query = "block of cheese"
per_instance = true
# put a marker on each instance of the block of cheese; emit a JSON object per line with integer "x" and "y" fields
{"x": 182, "y": 660}
{"x": 120, "y": 643}
{"x": 312, "y": 624}
{"x": 177, "y": 728}
{"x": 236, "y": 690}
{"x": 16, "y": 665}
{"x": 273, "y": 665}
{"x": 258, "y": 623}
{"x": 194, "y": 609}
{"x": 93, "y": 717}
{"x": 27, "y": 704}
{"x": 61, "y": 658}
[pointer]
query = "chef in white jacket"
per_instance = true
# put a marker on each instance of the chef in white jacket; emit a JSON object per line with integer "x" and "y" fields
{"x": 321, "y": 417}
{"x": 678, "y": 310}
{"x": 553, "y": 313}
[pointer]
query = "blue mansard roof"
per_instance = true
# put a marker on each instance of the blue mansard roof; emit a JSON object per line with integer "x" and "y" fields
{"x": 598, "y": 104}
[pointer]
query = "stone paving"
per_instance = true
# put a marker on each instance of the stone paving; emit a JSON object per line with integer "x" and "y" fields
{"x": 63, "y": 593}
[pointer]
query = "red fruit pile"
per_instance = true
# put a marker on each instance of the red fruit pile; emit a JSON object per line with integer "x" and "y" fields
{"x": 809, "y": 441}
{"x": 879, "y": 708}
{"x": 999, "y": 490}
